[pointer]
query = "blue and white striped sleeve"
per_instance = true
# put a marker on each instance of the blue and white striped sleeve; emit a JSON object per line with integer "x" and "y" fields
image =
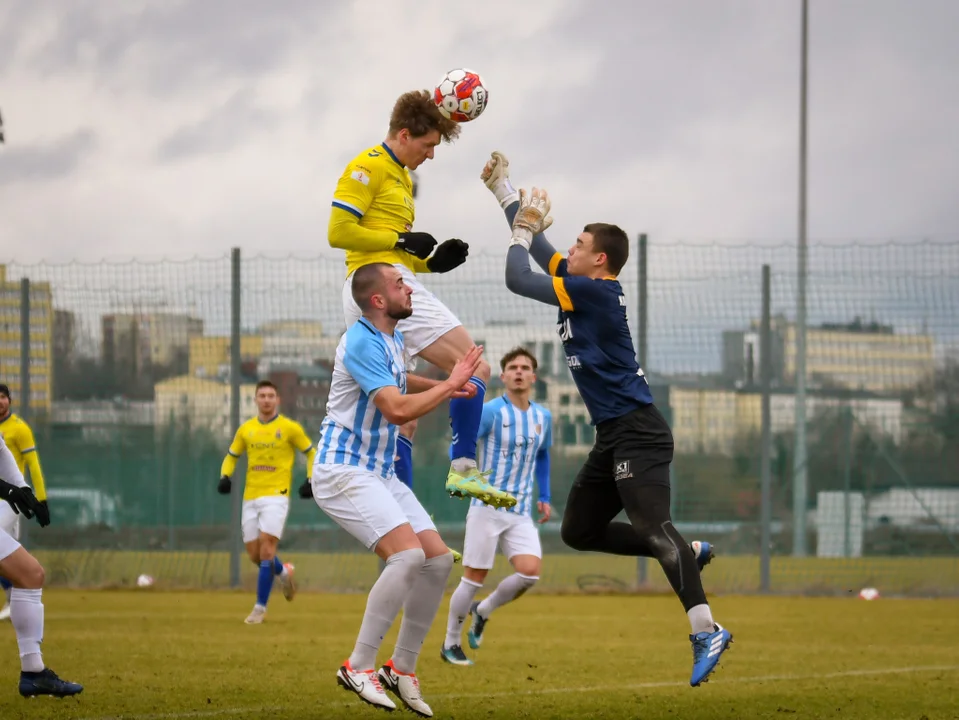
{"x": 366, "y": 361}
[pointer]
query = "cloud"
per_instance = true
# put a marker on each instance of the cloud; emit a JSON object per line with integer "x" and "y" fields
{"x": 38, "y": 163}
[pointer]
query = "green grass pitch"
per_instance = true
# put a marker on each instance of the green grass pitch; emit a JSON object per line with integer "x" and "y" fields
{"x": 159, "y": 655}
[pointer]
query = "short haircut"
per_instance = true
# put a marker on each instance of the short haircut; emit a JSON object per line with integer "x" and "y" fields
{"x": 515, "y": 353}
{"x": 367, "y": 281}
{"x": 613, "y": 241}
{"x": 265, "y": 384}
{"x": 415, "y": 111}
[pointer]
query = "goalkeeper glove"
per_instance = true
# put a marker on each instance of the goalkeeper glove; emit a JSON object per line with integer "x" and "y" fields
{"x": 306, "y": 489}
{"x": 43, "y": 513}
{"x": 21, "y": 499}
{"x": 450, "y": 254}
{"x": 419, "y": 244}
{"x": 225, "y": 485}
{"x": 532, "y": 218}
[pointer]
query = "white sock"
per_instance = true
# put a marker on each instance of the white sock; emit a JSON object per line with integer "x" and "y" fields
{"x": 463, "y": 465}
{"x": 26, "y": 614}
{"x": 505, "y": 193}
{"x": 508, "y": 590}
{"x": 383, "y": 604}
{"x": 701, "y": 619}
{"x": 460, "y": 603}
{"x": 420, "y": 610}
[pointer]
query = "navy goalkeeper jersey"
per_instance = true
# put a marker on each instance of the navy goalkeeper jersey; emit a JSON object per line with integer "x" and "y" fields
{"x": 599, "y": 349}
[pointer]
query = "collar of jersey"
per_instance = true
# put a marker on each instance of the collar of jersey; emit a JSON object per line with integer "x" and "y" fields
{"x": 372, "y": 328}
{"x": 268, "y": 421}
{"x": 9, "y": 415}
{"x": 390, "y": 153}
{"x": 519, "y": 409}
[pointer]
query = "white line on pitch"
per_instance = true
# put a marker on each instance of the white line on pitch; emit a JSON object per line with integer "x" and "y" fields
{"x": 554, "y": 691}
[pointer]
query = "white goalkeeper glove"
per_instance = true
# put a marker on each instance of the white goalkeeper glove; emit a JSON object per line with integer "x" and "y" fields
{"x": 532, "y": 218}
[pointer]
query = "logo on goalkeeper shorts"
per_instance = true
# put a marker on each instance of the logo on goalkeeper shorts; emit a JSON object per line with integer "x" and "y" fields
{"x": 622, "y": 470}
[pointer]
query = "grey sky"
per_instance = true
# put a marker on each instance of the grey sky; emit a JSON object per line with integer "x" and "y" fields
{"x": 178, "y": 128}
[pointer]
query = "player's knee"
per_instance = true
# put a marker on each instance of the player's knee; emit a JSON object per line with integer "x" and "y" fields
{"x": 576, "y": 535}
{"x": 32, "y": 577}
{"x": 483, "y": 371}
{"x": 408, "y": 562}
{"x": 440, "y": 566}
{"x": 527, "y": 566}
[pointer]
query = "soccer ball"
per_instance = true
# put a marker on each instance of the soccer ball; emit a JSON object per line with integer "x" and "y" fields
{"x": 461, "y": 95}
{"x": 868, "y": 594}
{"x": 144, "y": 581}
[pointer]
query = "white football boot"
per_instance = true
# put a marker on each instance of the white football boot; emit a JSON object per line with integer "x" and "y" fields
{"x": 257, "y": 616}
{"x": 366, "y": 684}
{"x": 406, "y": 688}
{"x": 287, "y": 585}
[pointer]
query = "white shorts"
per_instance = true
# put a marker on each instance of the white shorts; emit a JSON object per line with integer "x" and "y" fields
{"x": 486, "y": 527}
{"x": 367, "y": 506}
{"x": 9, "y": 520}
{"x": 8, "y": 544}
{"x": 430, "y": 320}
{"x": 265, "y": 514}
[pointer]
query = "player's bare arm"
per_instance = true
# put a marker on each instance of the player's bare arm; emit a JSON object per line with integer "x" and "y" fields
{"x": 418, "y": 384}
{"x": 398, "y": 408}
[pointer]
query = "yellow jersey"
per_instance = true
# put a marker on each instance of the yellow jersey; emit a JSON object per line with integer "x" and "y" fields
{"x": 270, "y": 453}
{"x": 18, "y": 436}
{"x": 372, "y": 204}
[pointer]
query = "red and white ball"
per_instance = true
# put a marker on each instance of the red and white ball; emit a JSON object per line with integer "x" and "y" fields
{"x": 461, "y": 95}
{"x": 869, "y": 594}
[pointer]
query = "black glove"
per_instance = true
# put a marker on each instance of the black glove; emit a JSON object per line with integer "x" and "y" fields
{"x": 417, "y": 243}
{"x": 450, "y": 254}
{"x": 43, "y": 513}
{"x": 224, "y": 486}
{"x": 306, "y": 489}
{"x": 21, "y": 499}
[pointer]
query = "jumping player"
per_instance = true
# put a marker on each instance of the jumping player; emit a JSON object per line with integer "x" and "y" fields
{"x": 628, "y": 466}
{"x": 372, "y": 220}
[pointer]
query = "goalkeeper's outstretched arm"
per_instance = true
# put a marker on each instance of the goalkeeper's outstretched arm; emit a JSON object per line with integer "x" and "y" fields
{"x": 540, "y": 248}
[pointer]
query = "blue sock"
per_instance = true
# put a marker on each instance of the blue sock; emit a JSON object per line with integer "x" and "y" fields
{"x": 277, "y": 565}
{"x": 264, "y": 583}
{"x": 5, "y": 584}
{"x": 403, "y": 465}
{"x": 465, "y": 417}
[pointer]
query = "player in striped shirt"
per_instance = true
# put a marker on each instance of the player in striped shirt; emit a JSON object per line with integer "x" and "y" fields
{"x": 355, "y": 483}
{"x": 515, "y": 437}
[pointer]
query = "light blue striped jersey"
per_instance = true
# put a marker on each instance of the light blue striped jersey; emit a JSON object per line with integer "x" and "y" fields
{"x": 354, "y": 432}
{"x": 514, "y": 444}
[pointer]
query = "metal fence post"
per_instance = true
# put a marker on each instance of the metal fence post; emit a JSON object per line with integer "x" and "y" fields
{"x": 642, "y": 352}
{"x": 236, "y": 539}
{"x": 765, "y": 482}
{"x": 24, "y": 399}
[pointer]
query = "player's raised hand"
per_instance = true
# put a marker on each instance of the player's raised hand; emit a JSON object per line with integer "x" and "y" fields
{"x": 533, "y": 214}
{"x": 449, "y": 255}
{"x": 545, "y": 511}
{"x": 420, "y": 244}
{"x": 465, "y": 368}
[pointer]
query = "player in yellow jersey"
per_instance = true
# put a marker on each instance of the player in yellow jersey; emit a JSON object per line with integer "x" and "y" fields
{"x": 270, "y": 441}
{"x": 18, "y": 437}
{"x": 372, "y": 219}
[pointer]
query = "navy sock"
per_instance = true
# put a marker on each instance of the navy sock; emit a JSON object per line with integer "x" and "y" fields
{"x": 5, "y": 584}
{"x": 403, "y": 465}
{"x": 264, "y": 582}
{"x": 465, "y": 417}
{"x": 277, "y": 565}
